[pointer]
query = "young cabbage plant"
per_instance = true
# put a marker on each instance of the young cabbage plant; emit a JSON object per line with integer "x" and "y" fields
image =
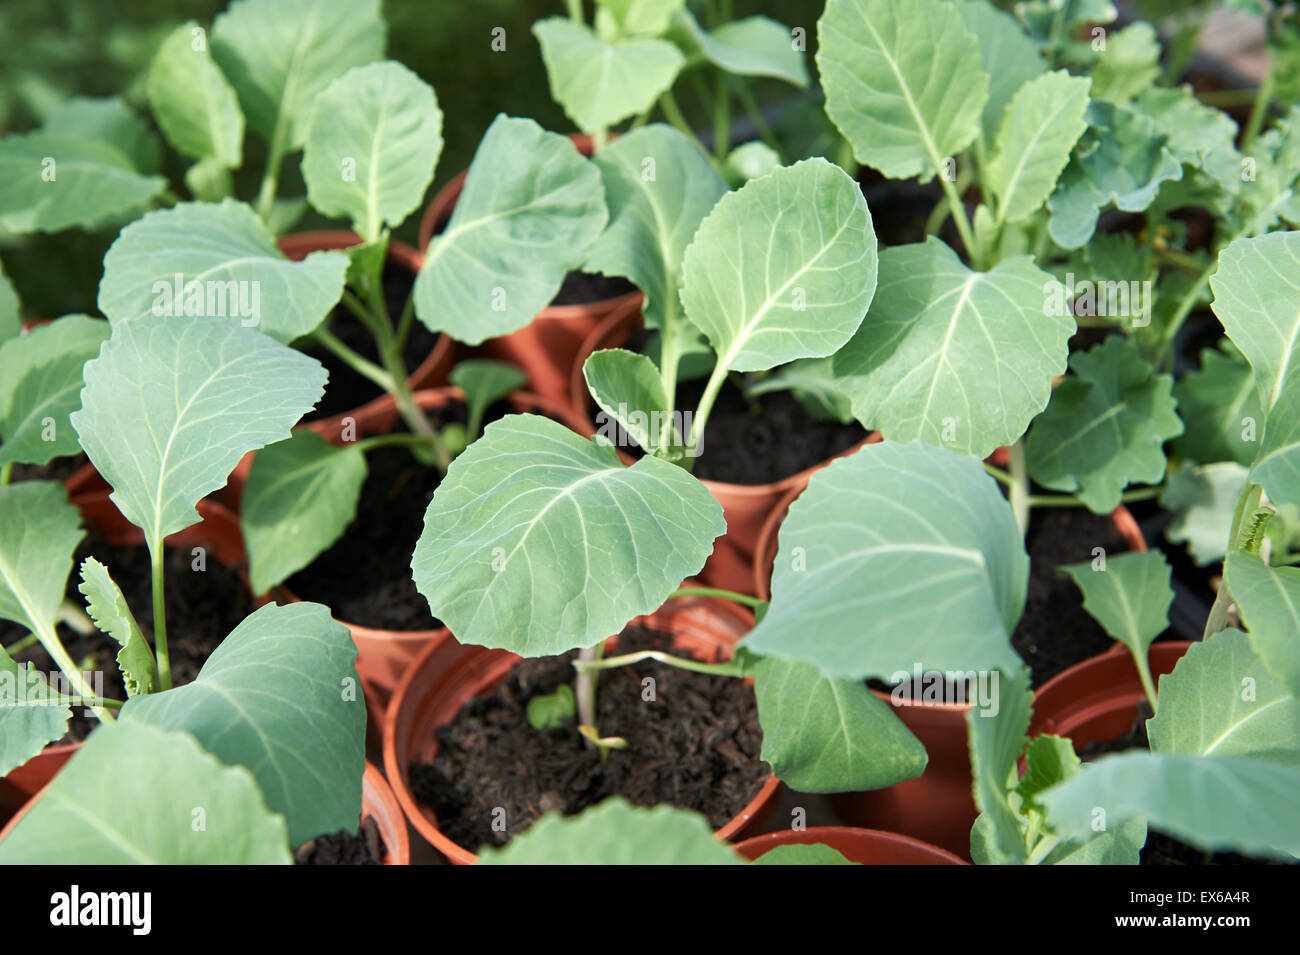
{"x": 629, "y": 59}
{"x": 169, "y": 406}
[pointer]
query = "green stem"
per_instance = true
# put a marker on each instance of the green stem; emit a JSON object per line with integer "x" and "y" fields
{"x": 1019, "y": 495}
{"x": 6, "y": 473}
{"x": 584, "y": 685}
{"x": 1263, "y": 100}
{"x": 1000, "y": 474}
{"x": 725, "y": 668}
{"x": 159, "y": 616}
{"x": 18, "y": 646}
{"x": 750, "y": 106}
{"x": 401, "y": 439}
{"x": 359, "y": 364}
{"x": 1144, "y": 673}
{"x": 1247, "y": 501}
{"x": 54, "y": 647}
{"x": 1073, "y": 500}
{"x": 716, "y": 592}
{"x": 959, "y": 217}
{"x": 721, "y": 118}
{"x": 1180, "y": 314}
{"x": 575, "y": 10}
{"x": 668, "y": 103}
{"x": 271, "y": 175}
{"x": 705, "y": 407}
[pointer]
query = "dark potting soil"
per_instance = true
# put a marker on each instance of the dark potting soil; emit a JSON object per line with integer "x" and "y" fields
{"x": 1162, "y": 849}
{"x": 60, "y": 469}
{"x": 344, "y": 848}
{"x": 899, "y": 208}
{"x": 202, "y": 608}
{"x": 346, "y": 389}
{"x": 1055, "y": 632}
{"x": 696, "y": 745}
{"x": 584, "y": 288}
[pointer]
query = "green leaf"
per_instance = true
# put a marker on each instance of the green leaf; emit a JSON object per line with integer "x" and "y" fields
{"x": 599, "y": 83}
{"x": 42, "y": 379}
{"x": 134, "y": 794}
{"x": 1221, "y": 701}
{"x": 1214, "y": 802}
{"x": 172, "y": 404}
{"x": 108, "y": 120}
{"x": 903, "y": 82}
{"x": 107, "y": 607}
{"x": 815, "y": 853}
{"x": 551, "y": 710}
{"x": 1048, "y": 761}
{"x": 1202, "y": 500}
{"x": 484, "y": 383}
{"x": 529, "y": 213}
{"x": 1128, "y": 65}
{"x": 279, "y": 55}
{"x": 49, "y": 183}
{"x": 1268, "y": 599}
{"x": 957, "y": 358}
{"x": 1121, "y": 159}
{"x": 1274, "y": 192}
{"x": 659, "y": 187}
{"x": 1258, "y": 302}
{"x": 752, "y": 46}
{"x": 641, "y": 17}
{"x": 996, "y": 741}
{"x": 1220, "y": 407}
{"x": 823, "y": 736}
{"x": 782, "y": 268}
{"x": 1198, "y": 135}
{"x": 814, "y": 383}
{"x": 1009, "y": 58}
{"x": 539, "y": 542}
{"x": 300, "y": 497}
{"x": 616, "y": 833}
{"x": 195, "y": 106}
{"x": 11, "y": 320}
{"x": 628, "y": 390}
{"x": 27, "y": 720}
{"x": 39, "y": 530}
{"x": 1130, "y": 598}
{"x": 1041, "y": 126}
{"x": 199, "y": 258}
{"x": 915, "y": 539}
{"x": 371, "y": 146}
{"x": 274, "y": 698}
{"x": 749, "y": 161}
{"x": 1105, "y": 427}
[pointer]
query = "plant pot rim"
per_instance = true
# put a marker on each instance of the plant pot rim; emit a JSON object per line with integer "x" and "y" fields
{"x": 756, "y": 846}
{"x": 474, "y": 658}
{"x": 376, "y": 791}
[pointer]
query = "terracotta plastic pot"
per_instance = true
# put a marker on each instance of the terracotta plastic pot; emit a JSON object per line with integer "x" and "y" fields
{"x": 745, "y": 506}
{"x": 25, "y": 781}
{"x": 379, "y": 803}
{"x": 384, "y": 655}
{"x": 544, "y": 348}
{"x": 1097, "y": 700}
{"x": 448, "y": 675}
{"x": 864, "y": 846}
{"x": 937, "y": 806}
{"x": 433, "y": 369}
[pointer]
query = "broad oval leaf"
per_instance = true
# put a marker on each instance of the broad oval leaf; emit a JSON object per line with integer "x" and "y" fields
{"x": 107, "y": 607}
{"x": 172, "y": 404}
{"x": 204, "y": 259}
{"x": 957, "y": 358}
{"x": 1009, "y": 58}
{"x": 371, "y": 147}
{"x": 530, "y": 210}
{"x": 601, "y": 83}
{"x": 1203, "y": 711}
{"x": 750, "y": 46}
{"x": 1268, "y": 599}
{"x": 1215, "y": 802}
{"x": 997, "y": 741}
{"x": 782, "y": 268}
{"x": 659, "y": 187}
{"x": 897, "y": 554}
{"x": 195, "y": 106}
{"x": 1202, "y": 500}
{"x": 11, "y": 322}
{"x": 49, "y": 183}
{"x": 39, "y": 530}
{"x": 616, "y": 833}
{"x": 272, "y": 698}
{"x": 903, "y": 82}
{"x": 815, "y": 853}
{"x": 41, "y": 372}
{"x": 539, "y": 542}
{"x": 29, "y": 719}
{"x": 824, "y": 736}
{"x": 300, "y": 497}
{"x": 280, "y": 54}
{"x": 128, "y": 797}
{"x": 1130, "y": 597}
{"x": 641, "y": 17}
{"x": 1221, "y": 410}
{"x": 484, "y": 382}
{"x": 629, "y": 392}
{"x": 111, "y": 121}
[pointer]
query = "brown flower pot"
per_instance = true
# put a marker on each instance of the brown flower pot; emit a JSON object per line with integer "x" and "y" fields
{"x": 864, "y": 846}
{"x": 545, "y": 347}
{"x": 744, "y": 506}
{"x": 432, "y": 371}
{"x": 1097, "y": 700}
{"x": 379, "y": 803}
{"x": 937, "y": 806}
{"x": 25, "y": 781}
{"x": 383, "y": 656}
{"x": 448, "y": 675}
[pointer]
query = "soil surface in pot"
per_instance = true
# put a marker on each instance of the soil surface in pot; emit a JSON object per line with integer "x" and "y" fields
{"x": 1055, "y": 632}
{"x": 202, "y": 608}
{"x": 344, "y": 848}
{"x": 346, "y": 389}
{"x": 585, "y": 288}
{"x": 1162, "y": 849}
{"x": 60, "y": 469}
{"x": 696, "y": 746}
